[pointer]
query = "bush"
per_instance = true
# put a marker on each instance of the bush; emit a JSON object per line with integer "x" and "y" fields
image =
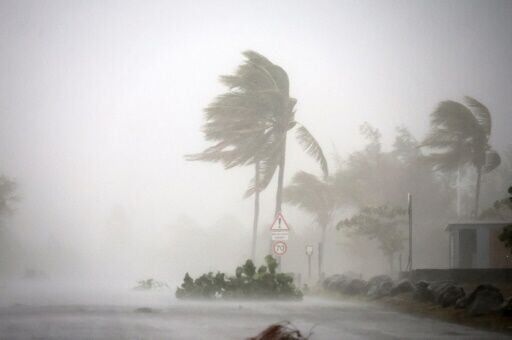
{"x": 247, "y": 283}
{"x": 150, "y": 284}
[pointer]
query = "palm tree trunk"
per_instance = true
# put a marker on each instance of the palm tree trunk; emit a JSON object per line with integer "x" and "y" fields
{"x": 477, "y": 193}
{"x": 256, "y": 209}
{"x": 321, "y": 254}
{"x": 459, "y": 175}
{"x": 280, "y": 179}
{"x": 279, "y": 194}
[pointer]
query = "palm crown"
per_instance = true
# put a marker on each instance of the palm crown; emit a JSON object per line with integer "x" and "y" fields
{"x": 459, "y": 136}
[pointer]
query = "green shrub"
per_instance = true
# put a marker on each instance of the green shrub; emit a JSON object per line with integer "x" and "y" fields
{"x": 151, "y": 284}
{"x": 247, "y": 283}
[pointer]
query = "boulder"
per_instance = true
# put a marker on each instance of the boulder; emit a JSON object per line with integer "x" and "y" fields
{"x": 379, "y": 290}
{"x": 483, "y": 300}
{"x": 354, "y": 287}
{"x": 402, "y": 286}
{"x": 462, "y": 302}
{"x": 372, "y": 291}
{"x": 422, "y": 293}
{"x": 326, "y": 284}
{"x": 486, "y": 301}
{"x": 437, "y": 288}
{"x": 385, "y": 287}
{"x": 376, "y": 280}
{"x": 331, "y": 282}
{"x": 506, "y": 307}
{"x": 450, "y": 295}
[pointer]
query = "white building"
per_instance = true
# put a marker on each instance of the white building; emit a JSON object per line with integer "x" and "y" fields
{"x": 476, "y": 245}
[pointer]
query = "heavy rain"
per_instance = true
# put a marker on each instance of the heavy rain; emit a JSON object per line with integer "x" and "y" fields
{"x": 255, "y": 169}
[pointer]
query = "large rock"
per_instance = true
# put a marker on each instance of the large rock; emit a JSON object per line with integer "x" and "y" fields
{"x": 377, "y": 280}
{"x": 486, "y": 301}
{"x": 506, "y": 307}
{"x": 483, "y": 300}
{"x": 354, "y": 287}
{"x": 450, "y": 295}
{"x": 328, "y": 282}
{"x": 332, "y": 282}
{"x": 380, "y": 289}
{"x": 345, "y": 284}
{"x": 402, "y": 286}
{"x": 437, "y": 288}
{"x": 422, "y": 293}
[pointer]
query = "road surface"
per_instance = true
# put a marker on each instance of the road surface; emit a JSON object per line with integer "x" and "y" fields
{"x": 160, "y": 316}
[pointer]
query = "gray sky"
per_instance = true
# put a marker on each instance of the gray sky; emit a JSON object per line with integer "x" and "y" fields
{"x": 100, "y": 100}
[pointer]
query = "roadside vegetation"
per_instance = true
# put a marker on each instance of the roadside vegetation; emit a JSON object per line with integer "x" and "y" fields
{"x": 248, "y": 282}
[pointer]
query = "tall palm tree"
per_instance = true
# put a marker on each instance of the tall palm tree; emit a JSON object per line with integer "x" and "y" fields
{"x": 249, "y": 124}
{"x": 315, "y": 196}
{"x": 277, "y": 122}
{"x": 460, "y": 134}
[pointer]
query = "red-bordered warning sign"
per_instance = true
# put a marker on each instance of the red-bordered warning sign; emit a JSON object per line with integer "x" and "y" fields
{"x": 279, "y": 224}
{"x": 279, "y": 248}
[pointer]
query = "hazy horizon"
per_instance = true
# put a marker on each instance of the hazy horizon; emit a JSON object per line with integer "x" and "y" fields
{"x": 101, "y": 100}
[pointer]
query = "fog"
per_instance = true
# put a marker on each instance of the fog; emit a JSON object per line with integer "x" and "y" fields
{"x": 101, "y": 100}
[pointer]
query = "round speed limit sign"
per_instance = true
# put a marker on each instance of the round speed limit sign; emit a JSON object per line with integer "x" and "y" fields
{"x": 279, "y": 248}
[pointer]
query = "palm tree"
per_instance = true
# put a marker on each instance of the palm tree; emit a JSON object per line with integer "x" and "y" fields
{"x": 249, "y": 124}
{"x": 460, "y": 135}
{"x": 278, "y": 120}
{"x": 315, "y": 196}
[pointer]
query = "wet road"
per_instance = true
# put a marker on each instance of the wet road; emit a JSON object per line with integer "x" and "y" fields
{"x": 221, "y": 320}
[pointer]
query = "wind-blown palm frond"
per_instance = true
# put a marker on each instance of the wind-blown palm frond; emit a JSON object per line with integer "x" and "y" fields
{"x": 481, "y": 113}
{"x": 454, "y": 116}
{"x": 455, "y": 132}
{"x": 311, "y": 194}
{"x": 311, "y": 146}
{"x": 459, "y": 135}
{"x": 258, "y": 74}
{"x": 241, "y": 121}
{"x": 492, "y": 161}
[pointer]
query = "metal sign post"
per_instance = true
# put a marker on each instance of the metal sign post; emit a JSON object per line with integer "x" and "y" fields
{"x": 409, "y": 211}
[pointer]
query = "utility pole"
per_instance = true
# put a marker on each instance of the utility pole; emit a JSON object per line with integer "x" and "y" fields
{"x": 409, "y": 211}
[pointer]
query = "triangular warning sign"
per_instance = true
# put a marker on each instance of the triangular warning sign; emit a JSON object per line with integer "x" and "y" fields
{"x": 279, "y": 224}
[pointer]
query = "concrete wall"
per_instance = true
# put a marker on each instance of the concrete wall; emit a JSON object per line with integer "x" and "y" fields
{"x": 487, "y": 275}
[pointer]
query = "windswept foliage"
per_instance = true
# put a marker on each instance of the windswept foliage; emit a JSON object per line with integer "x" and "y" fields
{"x": 248, "y": 283}
{"x": 315, "y": 196}
{"x": 382, "y": 224}
{"x": 459, "y": 136}
{"x": 502, "y": 210}
{"x": 249, "y": 125}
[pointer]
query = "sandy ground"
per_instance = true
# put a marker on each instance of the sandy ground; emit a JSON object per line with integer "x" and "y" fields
{"x": 47, "y": 311}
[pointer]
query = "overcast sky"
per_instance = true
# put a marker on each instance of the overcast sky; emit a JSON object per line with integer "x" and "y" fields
{"x": 100, "y": 100}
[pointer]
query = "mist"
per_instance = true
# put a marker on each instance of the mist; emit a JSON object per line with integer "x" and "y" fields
{"x": 100, "y": 102}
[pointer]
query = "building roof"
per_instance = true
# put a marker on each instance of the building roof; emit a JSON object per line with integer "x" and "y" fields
{"x": 477, "y": 225}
